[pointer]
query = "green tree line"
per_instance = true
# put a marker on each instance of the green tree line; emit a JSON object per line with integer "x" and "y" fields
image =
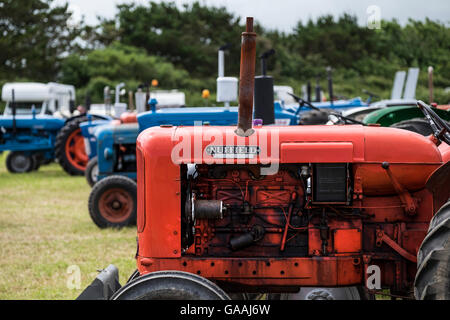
{"x": 178, "y": 46}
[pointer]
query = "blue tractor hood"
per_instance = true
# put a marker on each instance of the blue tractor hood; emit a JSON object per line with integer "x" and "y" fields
{"x": 48, "y": 123}
{"x": 124, "y": 133}
{"x": 217, "y": 116}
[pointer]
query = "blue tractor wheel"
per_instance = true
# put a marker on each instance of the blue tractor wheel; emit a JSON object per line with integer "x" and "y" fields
{"x": 19, "y": 162}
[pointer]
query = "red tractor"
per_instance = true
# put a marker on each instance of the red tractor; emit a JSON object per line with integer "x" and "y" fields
{"x": 274, "y": 209}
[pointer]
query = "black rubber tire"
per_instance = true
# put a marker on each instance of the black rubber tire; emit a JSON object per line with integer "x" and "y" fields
{"x": 60, "y": 143}
{"x": 170, "y": 285}
{"x": 134, "y": 275}
{"x": 17, "y": 167}
{"x": 417, "y": 125}
{"x": 89, "y": 173}
{"x": 45, "y": 161}
{"x": 314, "y": 117}
{"x": 433, "y": 259}
{"x": 36, "y": 161}
{"x": 112, "y": 182}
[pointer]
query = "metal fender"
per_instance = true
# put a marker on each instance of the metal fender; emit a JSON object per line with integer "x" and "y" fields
{"x": 438, "y": 184}
{"x": 104, "y": 285}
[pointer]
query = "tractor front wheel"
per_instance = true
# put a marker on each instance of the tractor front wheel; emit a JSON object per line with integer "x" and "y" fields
{"x": 91, "y": 172}
{"x": 112, "y": 202}
{"x": 19, "y": 162}
{"x": 170, "y": 285}
{"x": 433, "y": 260}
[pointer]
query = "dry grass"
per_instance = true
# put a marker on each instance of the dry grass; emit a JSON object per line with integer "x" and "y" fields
{"x": 45, "y": 228}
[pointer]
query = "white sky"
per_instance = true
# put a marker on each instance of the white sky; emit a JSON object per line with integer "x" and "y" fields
{"x": 284, "y": 14}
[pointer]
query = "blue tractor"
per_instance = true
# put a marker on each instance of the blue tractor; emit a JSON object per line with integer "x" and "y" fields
{"x": 33, "y": 116}
{"x": 40, "y": 124}
{"x": 30, "y": 141}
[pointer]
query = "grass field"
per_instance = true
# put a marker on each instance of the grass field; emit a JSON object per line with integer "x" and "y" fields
{"x": 45, "y": 230}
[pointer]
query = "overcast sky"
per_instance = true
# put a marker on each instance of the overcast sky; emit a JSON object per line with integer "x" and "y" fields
{"x": 284, "y": 14}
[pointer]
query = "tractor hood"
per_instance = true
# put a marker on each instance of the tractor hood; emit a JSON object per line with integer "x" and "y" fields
{"x": 300, "y": 144}
{"x": 411, "y": 157}
{"x": 123, "y": 133}
{"x": 389, "y": 116}
{"x": 28, "y": 122}
{"x": 219, "y": 116}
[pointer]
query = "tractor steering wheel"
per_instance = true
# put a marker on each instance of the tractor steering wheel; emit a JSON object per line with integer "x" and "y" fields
{"x": 302, "y": 103}
{"x": 441, "y": 130}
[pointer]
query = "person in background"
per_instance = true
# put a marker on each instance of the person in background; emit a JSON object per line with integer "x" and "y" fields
{"x": 81, "y": 109}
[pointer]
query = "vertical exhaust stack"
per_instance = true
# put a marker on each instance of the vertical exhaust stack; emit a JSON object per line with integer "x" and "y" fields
{"x": 330, "y": 85}
{"x": 13, "y": 109}
{"x": 264, "y": 108}
{"x": 247, "y": 81}
{"x": 430, "y": 84}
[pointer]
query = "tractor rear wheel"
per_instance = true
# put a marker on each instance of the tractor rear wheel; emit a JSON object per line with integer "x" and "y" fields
{"x": 433, "y": 259}
{"x": 91, "y": 172}
{"x": 69, "y": 147}
{"x": 19, "y": 162}
{"x": 314, "y": 117}
{"x": 170, "y": 285}
{"x": 112, "y": 202}
{"x": 417, "y": 125}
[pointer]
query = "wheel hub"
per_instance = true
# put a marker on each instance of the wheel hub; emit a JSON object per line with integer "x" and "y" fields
{"x": 20, "y": 162}
{"x": 116, "y": 205}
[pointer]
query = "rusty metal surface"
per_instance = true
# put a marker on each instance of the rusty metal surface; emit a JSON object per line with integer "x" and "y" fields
{"x": 438, "y": 184}
{"x": 247, "y": 80}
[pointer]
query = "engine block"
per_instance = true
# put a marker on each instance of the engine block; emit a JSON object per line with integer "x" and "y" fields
{"x": 256, "y": 209}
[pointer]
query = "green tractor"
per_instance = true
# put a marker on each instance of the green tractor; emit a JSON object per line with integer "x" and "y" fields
{"x": 405, "y": 117}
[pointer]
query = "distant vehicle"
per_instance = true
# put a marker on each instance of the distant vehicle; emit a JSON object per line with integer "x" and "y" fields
{"x": 46, "y": 98}
{"x": 169, "y": 98}
{"x": 32, "y": 118}
{"x": 33, "y": 122}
